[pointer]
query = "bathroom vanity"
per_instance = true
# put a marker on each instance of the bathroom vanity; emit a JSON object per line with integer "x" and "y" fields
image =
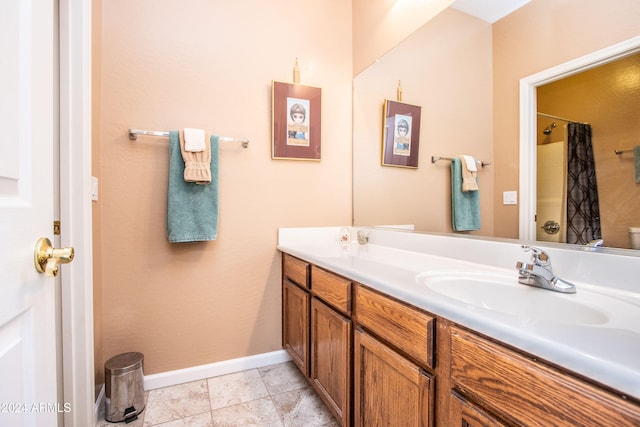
{"x": 390, "y": 331}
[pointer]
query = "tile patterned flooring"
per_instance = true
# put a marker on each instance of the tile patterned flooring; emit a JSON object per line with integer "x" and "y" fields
{"x": 273, "y": 396}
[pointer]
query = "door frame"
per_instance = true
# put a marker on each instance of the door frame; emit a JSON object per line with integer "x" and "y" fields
{"x": 528, "y": 120}
{"x": 75, "y": 210}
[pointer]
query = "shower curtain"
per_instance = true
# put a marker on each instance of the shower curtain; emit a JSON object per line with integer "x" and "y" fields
{"x": 583, "y": 209}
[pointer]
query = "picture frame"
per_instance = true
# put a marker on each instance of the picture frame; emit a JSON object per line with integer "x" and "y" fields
{"x": 296, "y": 121}
{"x": 400, "y": 134}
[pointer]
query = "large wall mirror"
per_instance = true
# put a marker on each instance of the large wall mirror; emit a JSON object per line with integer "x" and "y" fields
{"x": 465, "y": 73}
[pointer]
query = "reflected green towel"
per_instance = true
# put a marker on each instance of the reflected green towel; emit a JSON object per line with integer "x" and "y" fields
{"x": 636, "y": 161}
{"x": 465, "y": 206}
{"x": 192, "y": 209}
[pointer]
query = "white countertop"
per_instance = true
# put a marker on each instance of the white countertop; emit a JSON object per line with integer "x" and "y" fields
{"x": 606, "y": 350}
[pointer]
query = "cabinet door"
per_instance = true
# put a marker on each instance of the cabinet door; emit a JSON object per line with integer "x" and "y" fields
{"x": 330, "y": 358}
{"x": 389, "y": 390}
{"x": 464, "y": 414}
{"x": 295, "y": 324}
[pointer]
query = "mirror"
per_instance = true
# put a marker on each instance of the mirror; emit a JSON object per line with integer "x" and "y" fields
{"x": 465, "y": 74}
{"x": 612, "y": 78}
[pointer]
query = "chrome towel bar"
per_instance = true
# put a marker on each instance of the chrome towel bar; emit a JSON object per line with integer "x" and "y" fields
{"x": 437, "y": 158}
{"x": 133, "y": 135}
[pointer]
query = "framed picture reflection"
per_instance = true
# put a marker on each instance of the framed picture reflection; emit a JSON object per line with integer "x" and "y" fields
{"x": 400, "y": 134}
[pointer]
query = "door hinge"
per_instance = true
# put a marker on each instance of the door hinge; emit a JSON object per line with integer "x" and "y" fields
{"x": 56, "y": 228}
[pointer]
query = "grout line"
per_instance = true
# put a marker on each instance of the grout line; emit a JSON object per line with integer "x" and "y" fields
{"x": 209, "y": 396}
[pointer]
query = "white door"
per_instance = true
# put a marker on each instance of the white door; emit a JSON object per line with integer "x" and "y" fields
{"x": 28, "y": 365}
{"x": 551, "y": 184}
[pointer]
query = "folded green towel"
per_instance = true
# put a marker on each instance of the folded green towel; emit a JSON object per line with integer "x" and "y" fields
{"x": 192, "y": 209}
{"x": 636, "y": 161}
{"x": 465, "y": 205}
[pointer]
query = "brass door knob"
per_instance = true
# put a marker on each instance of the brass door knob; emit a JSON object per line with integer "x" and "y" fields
{"x": 551, "y": 227}
{"x": 47, "y": 258}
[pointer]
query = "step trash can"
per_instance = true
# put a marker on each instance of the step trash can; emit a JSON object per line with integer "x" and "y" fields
{"x": 124, "y": 394}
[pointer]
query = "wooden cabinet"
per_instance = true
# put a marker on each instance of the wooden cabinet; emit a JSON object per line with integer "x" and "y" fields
{"x": 295, "y": 311}
{"x": 331, "y": 341}
{"x": 391, "y": 386}
{"x": 389, "y": 389}
{"x": 374, "y": 361}
{"x": 317, "y": 331}
{"x": 525, "y": 392}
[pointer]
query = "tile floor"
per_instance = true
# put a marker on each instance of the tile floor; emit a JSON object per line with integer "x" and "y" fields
{"x": 273, "y": 396}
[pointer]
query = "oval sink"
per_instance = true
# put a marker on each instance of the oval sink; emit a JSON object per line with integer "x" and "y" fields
{"x": 502, "y": 293}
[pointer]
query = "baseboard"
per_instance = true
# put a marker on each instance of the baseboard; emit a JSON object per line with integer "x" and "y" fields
{"x": 181, "y": 376}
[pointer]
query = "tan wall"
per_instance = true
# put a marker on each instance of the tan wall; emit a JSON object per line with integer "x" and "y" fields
{"x": 608, "y": 98}
{"x": 453, "y": 55}
{"x": 209, "y": 64}
{"x": 379, "y": 25}
{"x": 538, "y": 36}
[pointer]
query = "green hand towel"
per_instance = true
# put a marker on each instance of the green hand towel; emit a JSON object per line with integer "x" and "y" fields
{"x": 465, "y": 206}
{"x": 192, "y": 209}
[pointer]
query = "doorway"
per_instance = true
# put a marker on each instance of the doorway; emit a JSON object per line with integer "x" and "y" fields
{"x": 529, "y": 129}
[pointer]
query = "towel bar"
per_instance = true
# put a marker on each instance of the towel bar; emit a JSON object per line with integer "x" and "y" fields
{"x": 618, "y": 152}
{"x": 437, "y": 158}
{"x": 133, "y": 135}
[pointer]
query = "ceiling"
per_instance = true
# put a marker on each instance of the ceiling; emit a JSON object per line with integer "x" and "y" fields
{"x": 488, "y": 10}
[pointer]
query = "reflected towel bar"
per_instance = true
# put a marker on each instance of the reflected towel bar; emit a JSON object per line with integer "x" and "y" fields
{"x": 551, "y": 116}
{"x": 436, "y": 158}
{"x": 133, "y": 135}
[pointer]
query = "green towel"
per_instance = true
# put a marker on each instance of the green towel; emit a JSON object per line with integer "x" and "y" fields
{"x": 636, "y": 161}
{"x": 192, "y": 209}
{"x": 465, "y": 206}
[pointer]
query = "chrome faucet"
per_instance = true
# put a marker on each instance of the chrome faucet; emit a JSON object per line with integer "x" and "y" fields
{"x": 595, "y": 243}
{"x": 539, "y": 273}
{"x": 363, "y": 239}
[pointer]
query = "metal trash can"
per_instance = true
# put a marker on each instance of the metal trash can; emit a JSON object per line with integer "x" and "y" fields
{"x": 124, "y": 388}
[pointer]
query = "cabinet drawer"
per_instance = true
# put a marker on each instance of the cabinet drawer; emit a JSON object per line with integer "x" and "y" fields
{"x": 331, "y": 288}
{"x": 528, "y": 392}
{"x": 405, "y": 327}
{"x": 296, "y": 270}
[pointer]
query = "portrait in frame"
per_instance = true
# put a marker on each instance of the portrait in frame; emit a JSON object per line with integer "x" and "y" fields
{"x": 400, "y": 134}
{"x": 296, "y": 121}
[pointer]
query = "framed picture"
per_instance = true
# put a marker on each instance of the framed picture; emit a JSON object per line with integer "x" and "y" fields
{"x": 400, "y": 134}
{"x": 296, "y": 121}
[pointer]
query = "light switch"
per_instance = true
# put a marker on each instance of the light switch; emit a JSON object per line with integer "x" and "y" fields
{"x": 94, "y": 188}
{"x": 510, "y": 198}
